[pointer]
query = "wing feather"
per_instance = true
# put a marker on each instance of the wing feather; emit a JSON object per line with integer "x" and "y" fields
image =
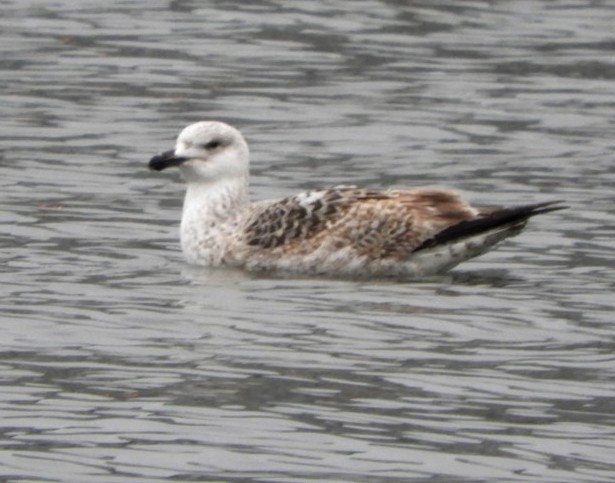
{"x": 302, "y": 216}
{"x": 373, "y": 223}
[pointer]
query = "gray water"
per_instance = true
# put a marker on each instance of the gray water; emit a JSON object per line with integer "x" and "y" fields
{"x": 121, "y": 363}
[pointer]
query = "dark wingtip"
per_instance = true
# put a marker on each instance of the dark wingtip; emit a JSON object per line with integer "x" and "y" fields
{"x": 491, "y": 220}
{"x": 547, "y": 207}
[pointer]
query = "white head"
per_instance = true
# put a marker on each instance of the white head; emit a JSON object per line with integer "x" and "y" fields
{"x": 206, "y": 152}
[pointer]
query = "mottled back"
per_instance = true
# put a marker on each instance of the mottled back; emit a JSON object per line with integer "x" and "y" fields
{"x": 375, "y": 224}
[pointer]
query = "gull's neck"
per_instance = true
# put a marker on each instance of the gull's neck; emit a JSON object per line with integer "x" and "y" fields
{"x": 216, "y": 198}
{"x": 210, "y": 210}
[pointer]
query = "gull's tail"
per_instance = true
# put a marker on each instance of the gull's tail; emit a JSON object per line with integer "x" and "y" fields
{"x": 513, "y": 218}
{"x": 471, "y": 238}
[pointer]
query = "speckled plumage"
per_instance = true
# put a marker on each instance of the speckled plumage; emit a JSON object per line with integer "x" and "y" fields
{"x": 342, "y": 230}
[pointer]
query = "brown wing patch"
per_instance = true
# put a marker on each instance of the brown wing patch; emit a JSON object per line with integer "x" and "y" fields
{"x": 303, "y": 216}
{"x": 374, "y": 224}
{"x": 379, "y": 229}
{"x": 440, "y": 206}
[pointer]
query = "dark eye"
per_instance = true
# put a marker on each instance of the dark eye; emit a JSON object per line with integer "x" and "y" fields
{"x": 213, "y": 144}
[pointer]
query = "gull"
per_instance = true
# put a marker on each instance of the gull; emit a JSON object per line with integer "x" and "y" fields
{"x": 336, "y": 231}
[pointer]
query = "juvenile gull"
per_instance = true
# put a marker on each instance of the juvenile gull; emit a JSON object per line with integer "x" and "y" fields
{"x": 339, "y": 231}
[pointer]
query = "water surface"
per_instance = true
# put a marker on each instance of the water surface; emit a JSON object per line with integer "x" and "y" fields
{"x": 121, "y": 363}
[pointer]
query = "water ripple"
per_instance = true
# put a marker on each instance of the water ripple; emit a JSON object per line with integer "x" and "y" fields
{"x": 120, "y": 362}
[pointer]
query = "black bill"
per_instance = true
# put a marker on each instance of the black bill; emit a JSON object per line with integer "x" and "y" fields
{"x": 165, "y": 160}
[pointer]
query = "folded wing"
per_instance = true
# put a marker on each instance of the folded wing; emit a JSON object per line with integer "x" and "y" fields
{"x": 379, "y": 225}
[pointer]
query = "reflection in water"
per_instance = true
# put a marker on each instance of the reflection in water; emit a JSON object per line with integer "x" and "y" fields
{"x": 120, "y": 361}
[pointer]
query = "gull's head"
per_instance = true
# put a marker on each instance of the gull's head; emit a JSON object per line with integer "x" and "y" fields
{"x": 206, "y": 151}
